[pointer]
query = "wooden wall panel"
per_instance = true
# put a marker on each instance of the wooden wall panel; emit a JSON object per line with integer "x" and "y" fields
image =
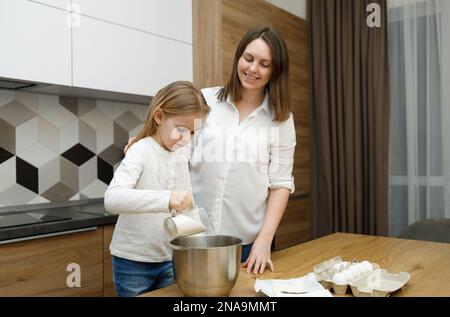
{"x": 295, "y": 227}
{"x": 207, "y": 24}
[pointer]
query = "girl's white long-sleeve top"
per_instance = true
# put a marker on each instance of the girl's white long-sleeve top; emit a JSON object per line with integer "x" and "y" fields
{"x": 235, "y": 164}
{"x": 139, "y": 192}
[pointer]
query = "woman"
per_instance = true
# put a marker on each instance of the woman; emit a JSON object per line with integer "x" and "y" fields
{"x": 247, "y": 197}
{"x": 241, "y": 165}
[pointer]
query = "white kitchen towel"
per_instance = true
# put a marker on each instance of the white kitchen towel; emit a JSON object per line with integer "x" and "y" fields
{"x": 305, "y": 286}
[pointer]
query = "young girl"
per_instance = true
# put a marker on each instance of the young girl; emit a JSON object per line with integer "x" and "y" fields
{"x": 152, "y": 180}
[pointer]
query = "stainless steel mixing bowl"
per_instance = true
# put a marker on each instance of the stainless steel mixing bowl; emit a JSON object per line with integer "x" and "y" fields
{"x": 206, "y": 265}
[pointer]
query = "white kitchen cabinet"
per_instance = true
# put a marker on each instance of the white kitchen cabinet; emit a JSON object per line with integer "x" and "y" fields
{"x": 111, "y": 57}
{"x": 35, "y": 41}
{"x": 168, "y": 18}
{"x": 131, "y": 47}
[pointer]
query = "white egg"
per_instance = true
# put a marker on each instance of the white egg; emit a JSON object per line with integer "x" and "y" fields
{"x": 364, "y": 270}
{"x": 346, "y": 273}
{"x": 367, "y": 265}
{"x": 360, "y": 268}
{"x": 352, "y": 269}
{"x": 339, "y": 279}
{"x": 357, "y": 275}
{"x": 350, "y": 276}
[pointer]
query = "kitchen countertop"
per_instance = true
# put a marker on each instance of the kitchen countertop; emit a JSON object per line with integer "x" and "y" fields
{"x": 83, "y": 214}
{"x": 427, "y": 262}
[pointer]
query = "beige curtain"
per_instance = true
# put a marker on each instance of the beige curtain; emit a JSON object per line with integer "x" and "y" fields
{"x": 349, "y": 118}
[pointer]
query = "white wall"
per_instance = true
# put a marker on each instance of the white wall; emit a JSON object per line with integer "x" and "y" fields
{"x": 297, "y": 7}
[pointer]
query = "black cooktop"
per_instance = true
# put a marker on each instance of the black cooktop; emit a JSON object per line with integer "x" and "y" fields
{"x": 28, "y": 218}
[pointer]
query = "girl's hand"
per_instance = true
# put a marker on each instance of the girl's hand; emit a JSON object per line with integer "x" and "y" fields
{"x": 259, "y": 257}
{"x": 128, "y": 144}
{"x": 180, "y": 201}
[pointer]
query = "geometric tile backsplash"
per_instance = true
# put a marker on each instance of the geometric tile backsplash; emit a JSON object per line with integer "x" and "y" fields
{"x": 55, "y": 148}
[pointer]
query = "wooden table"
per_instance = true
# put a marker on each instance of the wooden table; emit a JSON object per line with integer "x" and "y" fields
{"x": 427, "y": 262}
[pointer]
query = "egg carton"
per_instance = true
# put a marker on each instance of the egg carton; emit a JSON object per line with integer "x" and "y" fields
{"x": 379, "y": 283}
{"x": 325, "y": 273}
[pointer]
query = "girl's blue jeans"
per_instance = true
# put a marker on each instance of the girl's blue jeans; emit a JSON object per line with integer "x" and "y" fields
{"x": 132, "y": 278}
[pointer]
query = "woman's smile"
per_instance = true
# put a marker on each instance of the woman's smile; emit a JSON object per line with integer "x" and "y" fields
{"x": 251, "y": 78}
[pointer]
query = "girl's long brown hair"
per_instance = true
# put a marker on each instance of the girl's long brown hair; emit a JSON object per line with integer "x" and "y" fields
{"x": 177, "y": 98}
{"x": 278, "y": 84}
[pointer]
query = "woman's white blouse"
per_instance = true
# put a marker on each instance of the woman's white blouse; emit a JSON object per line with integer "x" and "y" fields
{"x": 233, "y": 165}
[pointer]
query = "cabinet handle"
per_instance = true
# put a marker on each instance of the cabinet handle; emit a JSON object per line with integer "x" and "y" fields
{"x": 47, "y": 235}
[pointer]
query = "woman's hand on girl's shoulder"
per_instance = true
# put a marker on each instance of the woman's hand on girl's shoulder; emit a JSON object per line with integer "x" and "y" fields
{"x": 130, "y": 140}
